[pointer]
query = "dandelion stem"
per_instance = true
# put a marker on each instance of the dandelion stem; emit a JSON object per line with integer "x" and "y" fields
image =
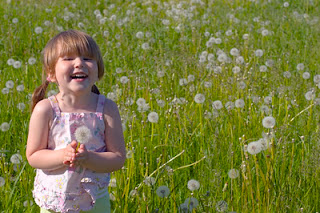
{"x": 300, "y": 113}
{"x": 194, "y": 163}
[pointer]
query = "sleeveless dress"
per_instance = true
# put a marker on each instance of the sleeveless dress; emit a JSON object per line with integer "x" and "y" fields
{"x": 73, "y": 189}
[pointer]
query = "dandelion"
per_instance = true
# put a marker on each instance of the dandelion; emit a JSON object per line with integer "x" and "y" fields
{"x": 10, "y": 84}
{"x": 21, "y": 106}
{"x": 17, "y": 64}
{"x": 10, "y": 61}
{"x": 300, "y": 66}
{"x": 242, "y": 85}
{"x": 236, "y": 69}
{"x": 82, "y": 134}
{"x": 239, "y": 60}
{"x": 264, "y": 143}
{"x": 287, "y": 74}
{"x": 15, "y": 20}
{"x": 184, "y": 208}
{"x": 286, "y": 4}
{"x": 254, "y": 148}
{"x": 193, "y": 185}
{"x": 161, "y": 103}
{"x": 145, "y": 46}
{"x": 263, "y": 68}
{"x": 306, "y": 75}
{"x": 233, "y": 173}
{"x": 112, "y": 96}
{"x": 32, "y": 60}
{"x": 199, "y": 98}
{"x": 153, "y": 117}
{"x": 218, "y": 41}
{"x": 16, "y": 158}
{"x": 20, "y": 88}
{"x": 191, "y": 78}
{"x": 222, "y": 57}
{"x": 141, "y": 102}
{"x": 210, "y": 57}
{"x": 268, "y": 100}
{"x": 217, "y": 104}
{"x": 234, "y": 52}
{"x": 113, "y": 182}
{"x": 268, "y": 122}
{"x": 2, "y": 181}
{"x": 245, "y": 36}
{"x": 309, "y": 95}
{"x": 221, "y": 206}
{"x": 207, "y": 84}
{"x": 265, "y": 109}
{"x": 160, "y": 73}
{"x": 183, "y": 81}
{"x": 269, "y": 62}
{"x": 192, "y": 203}
{"x": 229, "y": 105}
{"x": 239, "y": 103}
{"x": 149, "y": 181}
{"x": 129, "y": 154}
{"x": 316, "y": 79}
{"x": 28, "y": 203}
{"x": 163, "y": 191}
{"x": 5, "y": 91}
{"x": 124, "y": 79}
{"x": 112, "y": 197}
{"x": 264, "y": 32}
{"x": 258, "y": 53}
{"x": 133, "y": 193}
{"x": 5, "y": 126}
{"x": 38, "y": 30}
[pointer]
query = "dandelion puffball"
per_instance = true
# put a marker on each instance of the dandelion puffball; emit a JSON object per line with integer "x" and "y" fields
{"x": 199, "y": 98}
{"x": 82, "y": 134}
{"x": 153, "y": 117}
{"x": 268, "y": 122}
{"x": 193, "y": 185}
{"x": 163, "y": 191}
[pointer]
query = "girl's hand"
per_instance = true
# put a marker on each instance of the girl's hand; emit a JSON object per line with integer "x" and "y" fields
{"x": 70, "y": 154}
{"x": 82, "y": 155}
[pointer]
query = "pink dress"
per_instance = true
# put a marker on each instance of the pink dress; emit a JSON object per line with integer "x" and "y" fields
{"x": 77, "y": 189}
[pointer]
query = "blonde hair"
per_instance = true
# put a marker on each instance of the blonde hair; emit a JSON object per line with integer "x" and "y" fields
{"x": 66, "y": 43}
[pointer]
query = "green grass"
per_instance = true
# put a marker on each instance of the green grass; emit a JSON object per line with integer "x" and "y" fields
{"x": 190, "y": 140}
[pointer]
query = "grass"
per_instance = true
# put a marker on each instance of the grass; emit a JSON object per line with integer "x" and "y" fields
{"x": 190, "y": 140}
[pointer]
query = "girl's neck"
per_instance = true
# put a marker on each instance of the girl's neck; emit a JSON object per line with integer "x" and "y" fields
{"x": 73, "y": 103}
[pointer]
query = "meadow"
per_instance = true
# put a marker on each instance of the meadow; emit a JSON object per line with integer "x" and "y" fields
{"x": 219, "y": 100}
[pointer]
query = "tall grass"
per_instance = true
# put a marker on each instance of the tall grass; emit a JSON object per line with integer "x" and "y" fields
{"x": 185, "y": 49}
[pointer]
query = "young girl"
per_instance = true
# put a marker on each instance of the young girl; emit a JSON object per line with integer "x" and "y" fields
{"x": 75, "y": 137}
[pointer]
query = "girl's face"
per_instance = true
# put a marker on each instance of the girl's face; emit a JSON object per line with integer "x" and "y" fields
{"x": 75, "y": 73}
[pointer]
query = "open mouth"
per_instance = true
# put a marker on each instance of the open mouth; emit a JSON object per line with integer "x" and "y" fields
{"x": 79, "y": 76}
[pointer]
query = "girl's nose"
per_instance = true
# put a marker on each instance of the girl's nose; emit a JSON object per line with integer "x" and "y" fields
{"x": 78, "y": 62}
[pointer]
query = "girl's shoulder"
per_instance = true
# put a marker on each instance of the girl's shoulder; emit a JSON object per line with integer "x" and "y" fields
{"x": 43, "y": 108}
{"x": 110, "y": 107}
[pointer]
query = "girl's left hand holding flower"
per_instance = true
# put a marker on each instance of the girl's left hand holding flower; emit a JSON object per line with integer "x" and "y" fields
{"x": 81, "y": 155}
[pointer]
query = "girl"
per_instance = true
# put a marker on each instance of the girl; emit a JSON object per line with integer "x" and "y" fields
{"x": 75, "y": 137}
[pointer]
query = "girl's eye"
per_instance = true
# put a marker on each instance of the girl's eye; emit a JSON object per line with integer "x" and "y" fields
{"x": 87, "y": 59}
{"x": 67, "y": 59}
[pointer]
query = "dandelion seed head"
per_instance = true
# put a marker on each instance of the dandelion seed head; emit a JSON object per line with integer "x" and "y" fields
{"x": 10, "y": 84}
{"x": 5, "y": 91}
{"x": 2, "y": 181}
{"x": 124, "y": 79}
{"x": 239, "y": 103}
{"x": 300, "y": 66}
{"x": 191, "y": 203}
{"x": 264, "y": 32}
{"x": 199, "y": 98}
{"x": 163, "y": 191}
{"x": 229, "y": 105}
{"x": 239, "y": 60}
{"x": 193, "y": 185}
{"x": 82, "y": 134}
{"x": 254, "y": 148}
{"x": 286, "y": 4}
{"x": 268, "y": 122}
{"x": 113, "y": 182}
{"x": 233, "y": 173}
{"x": 10, "y": 61}
{"x": 263, "y": 68}
{"x": 217, "y": 105}
{"x": 16, "y": 64}
{"x": 309, "y": 95}
{"x": 38, "y": 30}
{"x": 222, "y": 206}
{"x": 149, "y": 181}
{"x": 245, "y": 36}
{"x": 153, "y": 117}
{"x": 287, "y": 74}
{"x": 31, "y": 60}
{"x": 183, "y": 81}
{"x": 306, "y": 75}
{"x": 316, "y": 79}
{"x": 21, "y": 106}
{"x": 5, "y": 126}
{"x": 258, "y": 53}
{"x": 16, "y": 158}
{"x": 234, "y": 52}
{"x": 28, "y": 203}
{"x": 20, "y": 88}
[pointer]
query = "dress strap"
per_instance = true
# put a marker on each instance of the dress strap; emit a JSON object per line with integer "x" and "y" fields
{"x": 100, "y": 104}
{"x": 55, "y": 105}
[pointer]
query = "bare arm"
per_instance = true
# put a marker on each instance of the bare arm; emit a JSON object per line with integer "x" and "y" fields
{"x": 38, "y": 155}
{"x": 113, "y": 159}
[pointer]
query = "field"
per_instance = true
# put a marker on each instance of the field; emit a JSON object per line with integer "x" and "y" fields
{"x": 219, "y": 100}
